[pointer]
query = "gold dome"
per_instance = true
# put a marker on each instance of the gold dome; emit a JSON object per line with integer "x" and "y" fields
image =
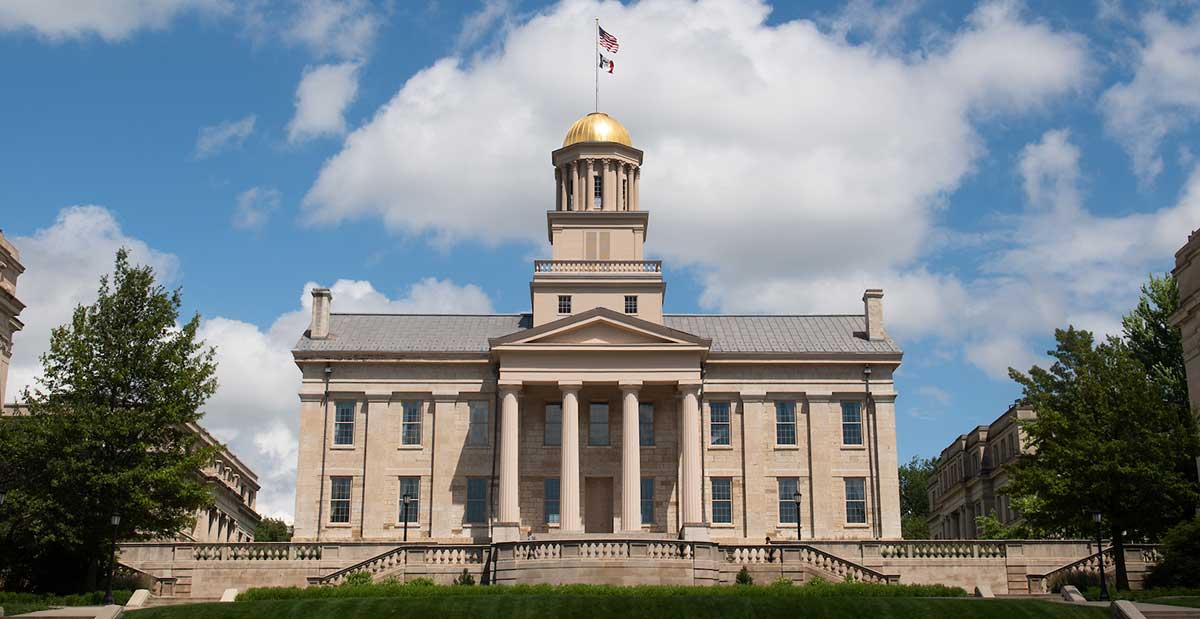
{"x": 597, "y": 127}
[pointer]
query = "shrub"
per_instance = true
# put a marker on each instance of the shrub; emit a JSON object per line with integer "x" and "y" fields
{"x": 421, "y": 582}
{"x": 1180, "y": 565}
{"x": 465, "y": 578}
{"x": 744, "y": 577}
{"x": 354, "y": 579}
{"x": 1084, "y": 580}
{"x": 782, "y": 582}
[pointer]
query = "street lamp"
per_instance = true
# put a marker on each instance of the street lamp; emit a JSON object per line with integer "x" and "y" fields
{"x": 116, "y": 521}
{"x": 1096, "y": 517}
{"x": 796, "y": 499}
{"x": 407, "y": 498}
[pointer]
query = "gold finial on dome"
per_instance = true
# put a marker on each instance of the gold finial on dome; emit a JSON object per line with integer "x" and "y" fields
{"x": 597, "y": 127}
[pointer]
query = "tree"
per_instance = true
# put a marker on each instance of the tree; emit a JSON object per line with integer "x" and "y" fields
{"x": 272, "y": 530}
{"x": 1104, "y": 440}
{"x": 106, "y": 434}
{"x": 914, "y": 497}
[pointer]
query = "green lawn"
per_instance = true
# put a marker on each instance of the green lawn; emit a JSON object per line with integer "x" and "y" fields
{"x": 626, "y": 607}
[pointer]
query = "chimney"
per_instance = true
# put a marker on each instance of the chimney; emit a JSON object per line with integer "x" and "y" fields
{"x": 873, "y": 312}
{"x": 322, "y": 299}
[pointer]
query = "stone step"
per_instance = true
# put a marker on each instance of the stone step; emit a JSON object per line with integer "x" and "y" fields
{"x": 175, "y": 601}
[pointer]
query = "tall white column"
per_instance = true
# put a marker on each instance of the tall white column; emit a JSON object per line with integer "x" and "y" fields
{"x": 568, "y": 486}
{"x": 589, "y": 185}
{"x": 610, "y": 184}
{"x": 507, "y": 527}
{"x": 635, "y": 184}
{"x": 693, "y": 526}
{"x": 631, "y": 462}
{"x": 560, "y": 190}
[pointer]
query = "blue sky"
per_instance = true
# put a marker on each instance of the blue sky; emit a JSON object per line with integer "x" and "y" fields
{"x": 1000, "y": 168}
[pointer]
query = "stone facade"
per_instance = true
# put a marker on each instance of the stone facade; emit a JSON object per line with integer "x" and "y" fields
{"x": 1187, "y": 318}
{"x": 970, "y": 477}
{"x": 232, "y": 517}
{"x": 596, "y": 413}
{"x": 10, "y": 307}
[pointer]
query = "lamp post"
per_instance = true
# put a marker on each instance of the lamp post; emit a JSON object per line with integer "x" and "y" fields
{"x": 108, "y": 598}
{"x": 1096, "y": 517}
{"x": 407, "y": 498}
{"x": 796, "y": 499}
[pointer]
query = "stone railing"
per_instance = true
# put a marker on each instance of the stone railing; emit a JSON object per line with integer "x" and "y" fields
{"x": 160, "y": 586}
{"x": 800, "y": 554}
{"x": 257, "y": 551}
{"x": 597, "y": 266}
{"x": 1148, "y": 554}
{"x": 950, "y": 549}
{"x": 439, "y": 555}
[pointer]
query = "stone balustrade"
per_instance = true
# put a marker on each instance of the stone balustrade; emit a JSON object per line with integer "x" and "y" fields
{"x": 1004, "y": 566}
{"x": 597, "y": 266}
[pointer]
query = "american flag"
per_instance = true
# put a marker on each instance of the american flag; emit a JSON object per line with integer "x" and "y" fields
{"x": 608, "y": 41}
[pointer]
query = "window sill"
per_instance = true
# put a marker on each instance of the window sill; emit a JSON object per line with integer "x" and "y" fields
{"x": 787, "y": 448}
{"x": 338, "y": 525}
{"x": 785, "y": 525}
{"x": 854, "y": 447}
{"x": 342, "y": 447}
{"x": 721, "y": 525}
{"x": 857, "y": 525}
{"x": 589, "y": 446}
{"x": 411, "y": 447}
{"x": 721, "y": 447}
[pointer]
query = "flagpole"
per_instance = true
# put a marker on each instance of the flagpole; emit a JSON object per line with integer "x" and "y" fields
{"x": 596, "y": 62}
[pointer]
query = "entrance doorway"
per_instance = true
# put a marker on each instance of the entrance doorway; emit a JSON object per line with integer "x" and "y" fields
{"x": 598, "y": 493}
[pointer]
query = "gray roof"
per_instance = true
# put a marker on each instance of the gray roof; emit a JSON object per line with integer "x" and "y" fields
{"x": 455, "y": 333}
{"x": 757, "y": 333}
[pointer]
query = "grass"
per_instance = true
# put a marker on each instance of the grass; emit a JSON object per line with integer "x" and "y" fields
{"x": 1190, "y": 602}
{"x": 21, "y": 603}
{"x": 1145, "y": 595}
{"x": 536, "y": 606}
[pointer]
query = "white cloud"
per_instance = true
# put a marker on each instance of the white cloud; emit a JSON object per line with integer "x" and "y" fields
{"x": 1164, "y": 94}
{"x": 848, "y": 153}
{"x": 254, "y": 408}
{"x": 63, "y": 265}
{"x": 224, "y": 135}
{"x": 254, "y": 207}
{"x": 111, "y": 20}
{"x": 321, "y": 100}
{"x": 937, "y": 394}
{"x": 343, "y": 29}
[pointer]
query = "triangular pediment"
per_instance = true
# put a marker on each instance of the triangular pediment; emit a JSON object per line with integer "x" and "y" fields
{"x": 600, "y": 327}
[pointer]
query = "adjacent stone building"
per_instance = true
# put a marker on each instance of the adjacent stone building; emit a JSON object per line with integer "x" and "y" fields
{"x": 1187, "y": 318}
{"x": 596, "y": 412}
{"x": 10, "y": 307}
{"x": 970, "y": 477}
{"x": 232, "y": 517}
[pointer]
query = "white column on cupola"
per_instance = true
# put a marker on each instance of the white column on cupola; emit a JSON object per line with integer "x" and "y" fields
{"x": 631, "y": 461}
{"x": 589, "y": 185}
{"x": 560, "y": 201}
{"x": 610, "y": 182}
{"x": 634, "y": 185}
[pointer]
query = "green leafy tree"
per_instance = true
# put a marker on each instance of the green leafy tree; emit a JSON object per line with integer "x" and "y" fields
{"x": 106, "y": 434}
{"x": 272, "y": 530}
{"x": 990, "y": 527}
{"x": 914, "y": 497}
{"x": 1105, "y": 440}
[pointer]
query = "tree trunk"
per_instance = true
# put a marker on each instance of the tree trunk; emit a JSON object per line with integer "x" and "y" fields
{"x": 1122, "y": 577}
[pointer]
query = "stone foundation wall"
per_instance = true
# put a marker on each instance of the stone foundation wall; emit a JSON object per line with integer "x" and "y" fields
{"x": 1007, "y": 567}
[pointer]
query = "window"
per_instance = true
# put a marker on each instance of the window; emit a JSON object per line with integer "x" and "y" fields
{"x": 631, "y": 304}
{"x": 477, "y": 500}
{"x": 785, "y": 423}
{"x": 339, "y": 499}
{"x": 571, "y": 194}
{"x": 722, "y": 500}
{"x": 564, "y": 304}
{"x": 852, "y": 423}
{"x": 856, "y": 500}
{"x": 477, "y": 432}
{"x": 598, "y": 424}
{"x": 343, "y": 423}
{"x": 787, "y": 500}
{"x": 598, "y": 192}
{"x": 553, "y": 432}
{"x": 550, "y": 500}
{"x": 410, "y": 487}
{"x": 647, "y": 500}
{"x": 720, "y": 422}
{"x": 410, "y": 433}
{"x": 645, "y": 424}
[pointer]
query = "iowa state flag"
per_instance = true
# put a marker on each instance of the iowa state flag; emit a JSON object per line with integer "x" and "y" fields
{"x": 605, "y": 63}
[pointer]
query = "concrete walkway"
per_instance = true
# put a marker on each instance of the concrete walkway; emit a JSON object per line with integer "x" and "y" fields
{"x": 79, "y": 612}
